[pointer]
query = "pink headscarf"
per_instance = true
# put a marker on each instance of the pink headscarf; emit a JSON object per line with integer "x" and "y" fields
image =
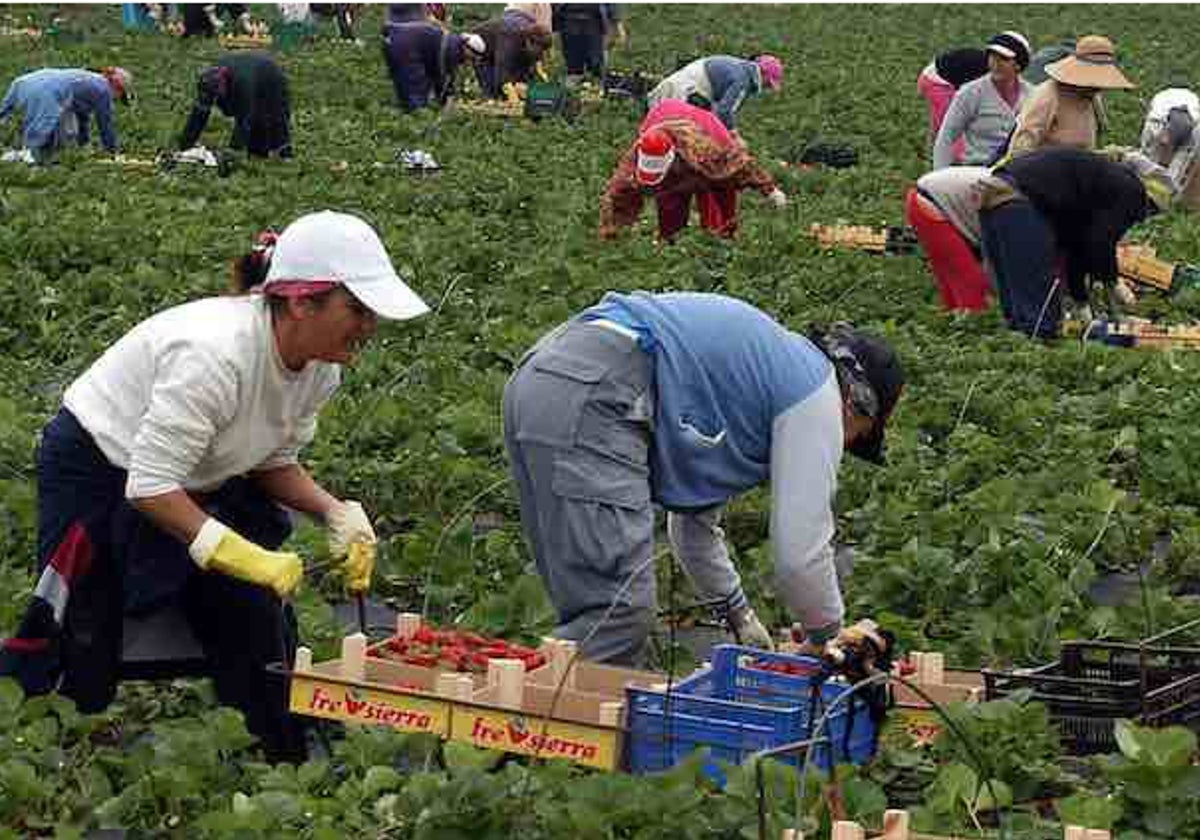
{"x": 772, "y": 71}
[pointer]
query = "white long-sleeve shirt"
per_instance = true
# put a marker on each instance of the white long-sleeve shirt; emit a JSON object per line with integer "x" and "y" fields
{"x": 198, "y": 394}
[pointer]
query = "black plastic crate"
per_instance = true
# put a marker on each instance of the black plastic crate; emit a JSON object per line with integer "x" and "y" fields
{"x": 1151, "y": 682}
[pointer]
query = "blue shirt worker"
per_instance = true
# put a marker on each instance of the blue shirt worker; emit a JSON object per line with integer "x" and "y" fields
{"x": 58, "y": 105}
{"x": 687, "y": 400}
{"x": 720, "y": 83}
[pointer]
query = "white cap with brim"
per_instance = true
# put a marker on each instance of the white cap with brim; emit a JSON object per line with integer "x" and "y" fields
{"x": 474, "y": 44}
{"x": 652, "y": 169}
{"x": 340, "y": 248}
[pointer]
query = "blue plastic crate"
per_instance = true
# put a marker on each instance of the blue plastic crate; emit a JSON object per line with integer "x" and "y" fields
{"x": 735, "y": 710}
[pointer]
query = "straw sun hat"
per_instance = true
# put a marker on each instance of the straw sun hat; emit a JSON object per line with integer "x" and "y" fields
{"x": 1094, "y": 65}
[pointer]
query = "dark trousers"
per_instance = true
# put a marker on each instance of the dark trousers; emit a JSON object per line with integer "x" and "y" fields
{"x": 99, "y": 559}
{"x": 584, "y": 53}
{"x": 1020, "y": 248}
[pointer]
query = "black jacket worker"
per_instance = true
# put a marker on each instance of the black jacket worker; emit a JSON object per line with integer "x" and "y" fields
{"x": 251, "y": 88}
{"x": 1058, "y": 203}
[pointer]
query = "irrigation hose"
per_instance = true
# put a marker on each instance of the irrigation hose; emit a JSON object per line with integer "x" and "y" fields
{"x": 815, "y": 738}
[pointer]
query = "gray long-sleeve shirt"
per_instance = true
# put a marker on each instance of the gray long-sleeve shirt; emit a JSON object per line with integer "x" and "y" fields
{"x": 979, "y": 114}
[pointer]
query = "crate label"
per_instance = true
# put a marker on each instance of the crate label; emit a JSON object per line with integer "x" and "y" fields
{"x": 403, "y": 712}
{"x": 516, "y": 733}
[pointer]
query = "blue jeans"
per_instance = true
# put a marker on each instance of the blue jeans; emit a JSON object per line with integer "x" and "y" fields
{"x": 1019, "y": 245}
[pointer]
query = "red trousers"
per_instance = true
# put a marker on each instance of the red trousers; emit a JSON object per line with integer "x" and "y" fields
{"x": 962, "y": 282}
{"x": 718, "y": 212}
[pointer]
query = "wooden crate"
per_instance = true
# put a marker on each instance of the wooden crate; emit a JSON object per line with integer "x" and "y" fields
{"x": 244, "y": 42}
{"x": 895, "y": 827}
{"x": 1140, "y": 264}
{"x": 590, "y": 677}
{"x": 491, "y": 108}
{"x": 1158, "y": 336}
{"x": 129, "y": 162}
{"x": 851, "y": 236}
{"x": 567, "y": 709}
{"x": 943, "y": 685}
{"x": 579, "y": 727}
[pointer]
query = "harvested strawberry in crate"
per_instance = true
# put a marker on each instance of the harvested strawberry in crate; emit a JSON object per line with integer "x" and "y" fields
{"x": 796, "y": 669}
{"x": 454, "y": 650}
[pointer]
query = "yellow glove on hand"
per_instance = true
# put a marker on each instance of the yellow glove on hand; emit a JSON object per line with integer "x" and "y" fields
{"x": 219, "y": 548}
{"x": 360, "y": 563}
{"x": 351, "y": 536}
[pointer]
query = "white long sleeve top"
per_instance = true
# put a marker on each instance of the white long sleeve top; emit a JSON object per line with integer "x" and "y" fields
{"x": 198, "y": 394}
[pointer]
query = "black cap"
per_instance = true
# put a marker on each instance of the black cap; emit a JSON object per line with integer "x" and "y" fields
{"x": 864, "y": 357}
{"x": 1012, "y": 45}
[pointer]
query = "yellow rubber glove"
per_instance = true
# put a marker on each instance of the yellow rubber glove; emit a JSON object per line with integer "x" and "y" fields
{"x": 351, "y": 536}
{"x": 219, "y": 548}
{"x": 360, "y": 563}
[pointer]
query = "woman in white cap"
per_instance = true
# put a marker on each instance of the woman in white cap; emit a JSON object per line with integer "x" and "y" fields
{"x": 422, "y": 59}
{"x": 984, "y": 111}
{"x": 683, "y": 151}
{"x": 162, "y": 480}
{"x": 1066, "y": 109}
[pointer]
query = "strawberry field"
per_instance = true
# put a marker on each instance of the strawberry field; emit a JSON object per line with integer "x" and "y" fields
{"x": 1022, "y": 476}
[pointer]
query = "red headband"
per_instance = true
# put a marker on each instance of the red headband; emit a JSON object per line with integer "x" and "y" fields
{"x": 299, "y": 288}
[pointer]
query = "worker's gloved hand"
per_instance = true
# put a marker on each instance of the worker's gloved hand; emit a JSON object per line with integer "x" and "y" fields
{"x": 219, "y": 548}
{"x": 806, "y": 646}
{"x": 778, "y": 198}
{"x": 359, "y": 565}
{"x": 1124, "y": 293}
{"x": 861, "y": 649}
{"x": 1082, "y": 312}
{"x": 748, "y": 630}
{"x": 351, "y": 536}
{"x": 618, "y": 35}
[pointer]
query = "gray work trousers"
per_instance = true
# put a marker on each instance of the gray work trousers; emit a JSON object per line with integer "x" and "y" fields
{"x": 577, "y": 425}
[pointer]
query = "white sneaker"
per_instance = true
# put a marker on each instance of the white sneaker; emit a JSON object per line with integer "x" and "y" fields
{"x": 197, "y": 154}
{"x": 18, "y": 156}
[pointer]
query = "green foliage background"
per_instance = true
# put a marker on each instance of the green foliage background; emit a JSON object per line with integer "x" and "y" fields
{"x": 1019, "y": 472}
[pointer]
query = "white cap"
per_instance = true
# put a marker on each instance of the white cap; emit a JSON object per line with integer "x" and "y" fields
{"x": 474, "y": 43}
{"x": 340, "y": 248}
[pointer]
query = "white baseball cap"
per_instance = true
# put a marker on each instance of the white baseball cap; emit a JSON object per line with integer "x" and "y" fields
{"x": 474, "y": 43}
{"x": 340, "y": 248}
